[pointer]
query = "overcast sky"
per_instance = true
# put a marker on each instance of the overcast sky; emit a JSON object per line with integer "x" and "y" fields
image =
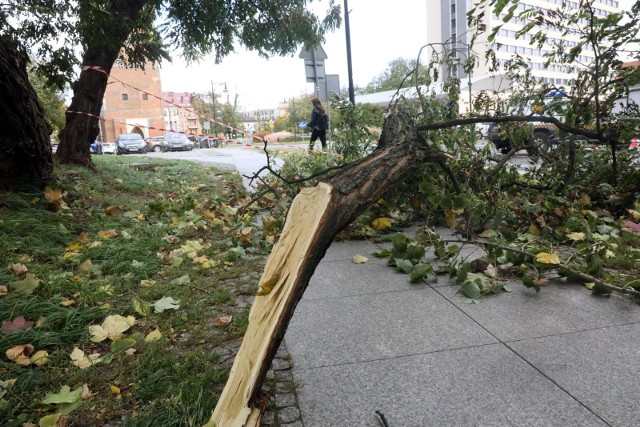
{"x": 381, "y": 31}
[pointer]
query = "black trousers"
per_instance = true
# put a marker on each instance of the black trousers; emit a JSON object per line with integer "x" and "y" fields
{"x": 322, "y": 134}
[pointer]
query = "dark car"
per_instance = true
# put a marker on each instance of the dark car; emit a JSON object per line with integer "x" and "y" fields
{"x": 174, "y": 141}
{"x": 500, "y": 139}
{"x": 155, "y": 144}
{"x": 209, "y": 142}
{"x": 131, "y": 143}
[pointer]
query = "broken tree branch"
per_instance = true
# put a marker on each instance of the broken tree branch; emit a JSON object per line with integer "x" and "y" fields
{"x": 316, "y": 216}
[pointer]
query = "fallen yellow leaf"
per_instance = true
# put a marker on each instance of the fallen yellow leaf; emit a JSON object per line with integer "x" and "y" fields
{"x": 380, "y": 224}
{"x": 154, "y": 335}
{"x": 548, "y": 258}
{"x": 20, "y": 354}
{"x": 533, "y": 229}
{"x": 110, "y": 210}
{"x": 359, "y": 259}
{"x": 147, "y": 282}
{"x": 40, "y": 358}
{"x": 3, "y": 290}
{"x": 222, "y": 321}
{"x": 576, "y": 236}
{"x": 79, "y": 359}
{"x": 86, "y": 266}
{"x": 19, "y": 269}
{"x": 107, "y": 234}
{"x": 115, "y": 390}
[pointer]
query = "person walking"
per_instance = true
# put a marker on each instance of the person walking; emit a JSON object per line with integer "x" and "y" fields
{"x": 319, "y": 124}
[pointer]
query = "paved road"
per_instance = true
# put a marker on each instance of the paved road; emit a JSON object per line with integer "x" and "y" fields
{"x": 247, "y": 161}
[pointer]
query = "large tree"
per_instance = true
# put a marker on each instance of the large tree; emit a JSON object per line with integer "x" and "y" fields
{"x": 30, "y": 29}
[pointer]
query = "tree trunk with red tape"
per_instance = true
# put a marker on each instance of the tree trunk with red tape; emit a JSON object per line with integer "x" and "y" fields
{"x": 83, "y": 123}
{"x": 316, "y": 216}
{"x": 25, "y": 135}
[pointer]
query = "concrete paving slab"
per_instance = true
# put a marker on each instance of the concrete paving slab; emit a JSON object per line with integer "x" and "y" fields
{"x": 384, "y": 325}
{"x": 479, "y": 386}
{"x": 598, "y": 367}
{"x": 346, "y": 250}
{"x": 559, "y": 308}
{"x": 344, "y": 278}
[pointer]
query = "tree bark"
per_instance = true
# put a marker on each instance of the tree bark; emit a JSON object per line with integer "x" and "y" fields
{"x": 25, "y": 135}
{"x": 316, "y": 216}
{"x": 83, "y": 123}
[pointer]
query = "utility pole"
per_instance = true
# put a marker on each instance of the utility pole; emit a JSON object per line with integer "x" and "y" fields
{"x": 352, "y": 95}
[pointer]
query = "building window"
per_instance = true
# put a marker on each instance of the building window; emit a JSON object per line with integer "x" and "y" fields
{"x": 125, "y": 97}
{"x": 145, "y": 97}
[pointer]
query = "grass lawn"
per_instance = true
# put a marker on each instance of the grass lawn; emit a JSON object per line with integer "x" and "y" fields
{"x": 123, "y": 293}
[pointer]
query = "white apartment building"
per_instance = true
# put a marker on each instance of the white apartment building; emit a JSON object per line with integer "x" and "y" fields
{"x": 447, "y": 22}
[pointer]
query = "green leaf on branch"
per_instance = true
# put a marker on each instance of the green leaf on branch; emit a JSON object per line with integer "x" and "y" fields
{"x": 470, "y": 290}
{"x": 404, "y": 265}
{"x": 419, "y": 272}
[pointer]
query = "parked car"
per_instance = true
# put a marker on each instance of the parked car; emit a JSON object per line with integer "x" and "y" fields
{"x": 174, "y": 141}
{"x": 95, "y": 147}
{"x": 209, "y": 142}
{"x": 155, "y": 144}
{"x": 109, "y": 148}
{"x": 131, "y": 143}
{"x": 500, "y": 138}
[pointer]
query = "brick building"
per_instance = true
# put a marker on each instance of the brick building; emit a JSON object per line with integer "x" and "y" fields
{"x": 127, "y": 110}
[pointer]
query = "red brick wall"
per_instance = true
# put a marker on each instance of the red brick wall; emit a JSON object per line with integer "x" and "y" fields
{"x": 120, "y": 115}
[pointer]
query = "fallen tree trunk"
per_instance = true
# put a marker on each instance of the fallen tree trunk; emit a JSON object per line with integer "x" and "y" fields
{"x": 316, "y": 216}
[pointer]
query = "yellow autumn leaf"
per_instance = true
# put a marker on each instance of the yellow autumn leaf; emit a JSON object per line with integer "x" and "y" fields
{"x": 147, "y": 282}
{"x": 222, "y": 321}
{"x": 79, "y": 359}
{"x": 267, "y": 287}
{"x": 634, "y": 214}
{"x": 359, "y": 259}
{"x": 86, "y": 266}
{"x": 3, "y": 290}
{"x": 585, "y": 200}
{"x": 40, "y": 358}
{"x": 115, "y": 390}
{"x": 54, "y": 197}
{"x": 533, "y": 229}
{"x": 576, "y": 237}
{"x": 559, "y": 212}
{"x": 67, "y": 302}
{"x": 380, "y": 224}
{"x": 112, "y": 327}
{"x": 451, "y": 216}
{"x": 107, "y": 234}
{"x": 20, "y": 354}
{"x": 548, "y": 258}
{"x": 110, "y": 210}
{"x": 154, "y": 335}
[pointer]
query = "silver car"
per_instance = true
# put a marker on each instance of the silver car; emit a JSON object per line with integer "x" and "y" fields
{"x": 131, "y": 143}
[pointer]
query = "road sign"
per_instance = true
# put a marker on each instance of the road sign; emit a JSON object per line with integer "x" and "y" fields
{"x": 302, "y": 125}
{"x": 320, "y": 54}
{"x": 206, "y": 125}
{"x": 312, "y": 71}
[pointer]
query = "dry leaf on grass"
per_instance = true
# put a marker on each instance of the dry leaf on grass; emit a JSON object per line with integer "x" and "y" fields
{"x": 222, "y": 321}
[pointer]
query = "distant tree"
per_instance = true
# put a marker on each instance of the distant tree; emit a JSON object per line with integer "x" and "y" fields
{"x": 298, "y": 110}
{"x": 51, "y": 100}
{"x": 394, "y": 77}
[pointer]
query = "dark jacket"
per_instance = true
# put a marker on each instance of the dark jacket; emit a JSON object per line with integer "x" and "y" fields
{"x": 319, "y": 120}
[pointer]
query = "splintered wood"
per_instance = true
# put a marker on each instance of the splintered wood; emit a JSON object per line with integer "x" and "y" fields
{"x": 281, "y": 272}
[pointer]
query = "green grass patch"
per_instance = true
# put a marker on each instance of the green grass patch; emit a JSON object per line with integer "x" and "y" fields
{"x": 119, "y": 242}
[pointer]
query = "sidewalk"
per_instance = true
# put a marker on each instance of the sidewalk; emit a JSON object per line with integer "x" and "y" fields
{"x": 363, "y": 339}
